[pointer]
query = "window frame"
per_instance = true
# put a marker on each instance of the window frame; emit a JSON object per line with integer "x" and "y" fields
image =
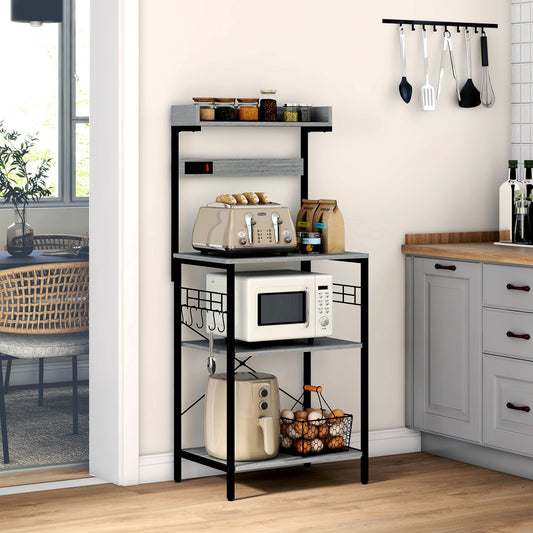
{"x": 67, "y": 118}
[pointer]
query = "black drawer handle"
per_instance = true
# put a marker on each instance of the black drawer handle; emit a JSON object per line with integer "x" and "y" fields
{"x": 445, "y": 267}
{"x": 525, "y": 408}
{"x": 524, "y": 336}
{"x": 511, "y": 287}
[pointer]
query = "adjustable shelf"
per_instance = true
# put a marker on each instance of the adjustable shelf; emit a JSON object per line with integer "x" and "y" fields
{"x": 189, "y": 115}
{"x": 185, "y": 119}
{"x": 282, "y": 460}
{"x": 245, "y": 349}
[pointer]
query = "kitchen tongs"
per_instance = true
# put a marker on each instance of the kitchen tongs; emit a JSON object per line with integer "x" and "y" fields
{"x": 447, "y": 45}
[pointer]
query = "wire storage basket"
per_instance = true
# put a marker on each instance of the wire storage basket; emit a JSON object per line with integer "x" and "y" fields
{"x": 314, "y": 431}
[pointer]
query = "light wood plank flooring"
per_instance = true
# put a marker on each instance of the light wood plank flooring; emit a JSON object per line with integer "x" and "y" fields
{"x": 42, "y": 476}
{"x": 407, "y": 493}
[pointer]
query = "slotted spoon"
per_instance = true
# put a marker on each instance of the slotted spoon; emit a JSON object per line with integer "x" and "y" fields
{"x": 427, "y": 92}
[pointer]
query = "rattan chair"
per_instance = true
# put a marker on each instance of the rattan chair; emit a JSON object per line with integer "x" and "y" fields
{"x": 57, "y": 242}
{"x": 44, "y": 312}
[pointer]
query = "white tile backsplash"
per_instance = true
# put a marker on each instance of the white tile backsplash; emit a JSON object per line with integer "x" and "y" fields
{"x": 521, "y": 79}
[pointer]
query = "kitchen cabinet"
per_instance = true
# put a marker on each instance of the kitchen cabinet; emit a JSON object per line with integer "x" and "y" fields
{"x": 469, "y": 351}
{"x": 447, "y": 347}
{"x": 186, "y": 119}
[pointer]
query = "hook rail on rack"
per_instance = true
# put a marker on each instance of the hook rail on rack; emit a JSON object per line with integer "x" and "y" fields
{"x": 435, "y": 23}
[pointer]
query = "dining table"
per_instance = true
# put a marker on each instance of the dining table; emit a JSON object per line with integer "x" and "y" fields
{"x": 38, "y": 257}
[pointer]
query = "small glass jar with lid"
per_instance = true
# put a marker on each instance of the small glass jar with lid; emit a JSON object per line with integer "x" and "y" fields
{"x": 290, "y": 113}
{"x": 207, "y": 107}
{"x": 248, "y": 108}
{"x": 268, "y": 107}
{"x": 224, "y": 108}
{"x": 305, "y": 112}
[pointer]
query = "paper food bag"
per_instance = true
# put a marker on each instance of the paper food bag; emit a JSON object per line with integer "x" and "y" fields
{"x": 329, "y": 222}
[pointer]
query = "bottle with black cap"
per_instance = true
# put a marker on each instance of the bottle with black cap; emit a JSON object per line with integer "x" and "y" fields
{"x": 507, "y": 207}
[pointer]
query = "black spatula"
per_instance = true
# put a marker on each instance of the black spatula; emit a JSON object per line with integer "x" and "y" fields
{"x": 470, "y": 96}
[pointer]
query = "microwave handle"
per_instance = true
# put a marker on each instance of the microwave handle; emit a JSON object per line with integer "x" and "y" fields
{"x": 307, "y": 305}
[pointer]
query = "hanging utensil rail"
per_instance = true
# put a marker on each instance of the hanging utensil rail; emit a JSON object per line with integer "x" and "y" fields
{"x": 476, "y": 25}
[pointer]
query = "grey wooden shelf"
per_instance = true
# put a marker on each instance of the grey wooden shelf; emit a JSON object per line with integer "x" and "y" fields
{"x": 198, "y": 257}
{"x": 247, "y": 167}
{"x": 282, "y": 460}
{"x": 245, "y": 349}
{"x": 189, "y": 115}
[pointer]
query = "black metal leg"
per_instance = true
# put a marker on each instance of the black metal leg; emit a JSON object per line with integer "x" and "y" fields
{"x": 177, "y": 272}
{"x": 230, "y": 403}
{"x": 75, "y": 395}
{"x": 8, "y": 374}
{"x": 41, "y": 380}
{"x": 3, "y": 421}
{"x": 364, "y": 371}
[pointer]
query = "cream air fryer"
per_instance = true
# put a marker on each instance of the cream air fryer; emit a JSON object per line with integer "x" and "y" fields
{"x": 256, "y": 416}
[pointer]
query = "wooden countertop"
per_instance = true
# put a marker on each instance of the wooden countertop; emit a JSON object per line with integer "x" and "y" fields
{"x": 473, "y": 246}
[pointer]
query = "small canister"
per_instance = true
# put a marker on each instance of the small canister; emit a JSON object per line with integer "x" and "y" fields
{"x": 305, "y": 112}
{"x": 248, "y": 108}
{"x": 224, "y": 108}
{"x": 299, "y": 235}
{"x": 290, "y": 113}
{"x": 311, "y": 243}
{"x": 268, "y": 107}
{"x": 207, "y": 107}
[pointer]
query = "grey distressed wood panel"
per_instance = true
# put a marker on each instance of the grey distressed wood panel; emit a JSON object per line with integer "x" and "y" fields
{"x": 447, "y": 348}
{"x": 496, "y": 278}
{"x": 284, "y": 460}
{"x": 409, "y": 331}
{"x": 248, "y": 167}
{"x": 507, "y": 381}
{"x": 496, "y": 325}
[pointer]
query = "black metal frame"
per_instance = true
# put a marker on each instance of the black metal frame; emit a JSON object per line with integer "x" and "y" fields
{"x": 177, "y": 265}
{"x": 436, "y": 23}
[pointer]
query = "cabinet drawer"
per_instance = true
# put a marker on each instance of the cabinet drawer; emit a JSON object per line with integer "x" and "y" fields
{"x": 507, "y": 386}
{"x": 510, "y": 287}
{"x": 501, "y": 330}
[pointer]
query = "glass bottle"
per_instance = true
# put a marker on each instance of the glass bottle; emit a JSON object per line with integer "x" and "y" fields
{"x": 528, "y": 184}
{"x": 268, "y": 106}
{"x": 522, "y": 230}
{"x": 20, "y": 234}
{"x": 506, "y": 204}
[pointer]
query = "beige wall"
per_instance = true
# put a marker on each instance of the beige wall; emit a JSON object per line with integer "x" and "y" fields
{"x": 393, "y": 168}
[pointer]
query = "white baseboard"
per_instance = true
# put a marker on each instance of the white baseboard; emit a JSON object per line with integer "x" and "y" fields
{"x": 54, "y": 372}
{"x": 160, "y": 467}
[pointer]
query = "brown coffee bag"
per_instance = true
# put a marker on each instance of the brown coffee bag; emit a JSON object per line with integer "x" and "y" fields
{"x": 329, "y": 222}
{"x": 304, "y": 221}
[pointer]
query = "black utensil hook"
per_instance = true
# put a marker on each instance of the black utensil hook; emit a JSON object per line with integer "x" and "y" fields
{"x": 435, "y": 23}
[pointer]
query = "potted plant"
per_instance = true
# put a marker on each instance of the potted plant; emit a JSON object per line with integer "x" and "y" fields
{"x": 21, "y": 180}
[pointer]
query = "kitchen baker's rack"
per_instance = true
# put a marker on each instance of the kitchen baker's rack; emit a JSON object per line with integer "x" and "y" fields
{"x": 185, "y": 119}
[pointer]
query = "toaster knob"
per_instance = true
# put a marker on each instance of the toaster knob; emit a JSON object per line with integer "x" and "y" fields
{"x": 263, "y": 406}
{"x": 263, "y": 393}
{"x": 288, "y": 239}
{"x": 324, "y": 321}
{"x": 243, "y": 241}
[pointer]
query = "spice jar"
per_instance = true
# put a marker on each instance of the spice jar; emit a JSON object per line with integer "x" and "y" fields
{"x": 305, "y": 112}
{"x": 207, "y": 108}
{"x": 290, "y": 113}
{"x": 268, "y": 110}
{"x": 248, "y": 108}
{"x": 224, "y": 108}
{"x": 311, "y": 243}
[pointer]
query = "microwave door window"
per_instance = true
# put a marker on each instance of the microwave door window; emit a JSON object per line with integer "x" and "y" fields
{"x": 278, "y": 308}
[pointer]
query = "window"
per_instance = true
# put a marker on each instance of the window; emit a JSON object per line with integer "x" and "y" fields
{"x": 45, "y": 91}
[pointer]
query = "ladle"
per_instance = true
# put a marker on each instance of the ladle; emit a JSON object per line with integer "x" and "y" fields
{"x": 470, "y": 96}
{"x": 406, "y": 90}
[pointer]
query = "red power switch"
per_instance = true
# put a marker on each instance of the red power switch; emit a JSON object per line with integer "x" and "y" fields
{"x": 207, "y": 168}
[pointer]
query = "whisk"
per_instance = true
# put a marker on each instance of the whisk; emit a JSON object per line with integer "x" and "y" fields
{"x": 487, "y": 92}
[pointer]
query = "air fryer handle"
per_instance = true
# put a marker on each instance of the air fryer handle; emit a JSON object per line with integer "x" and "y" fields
{"x": 266, "y": 423}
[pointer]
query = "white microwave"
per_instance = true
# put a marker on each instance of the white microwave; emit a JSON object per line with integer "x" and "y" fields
{"x": 277, "y": 305}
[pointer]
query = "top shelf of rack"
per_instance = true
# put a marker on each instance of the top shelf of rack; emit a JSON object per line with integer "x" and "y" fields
{"x": 195, "y": 257}
{"x": 189, "y": 115}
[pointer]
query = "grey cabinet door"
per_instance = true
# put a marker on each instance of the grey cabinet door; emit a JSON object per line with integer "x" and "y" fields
{"x": 447, "y": 347}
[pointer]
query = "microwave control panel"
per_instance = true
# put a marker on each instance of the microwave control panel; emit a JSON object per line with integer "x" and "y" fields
{"x": 324, "y": 307}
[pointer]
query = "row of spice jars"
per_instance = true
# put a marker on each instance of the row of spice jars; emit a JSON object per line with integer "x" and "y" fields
{"x": 250, "y": 109}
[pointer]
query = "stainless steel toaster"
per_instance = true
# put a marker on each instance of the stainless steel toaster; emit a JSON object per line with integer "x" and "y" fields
{"x": 244, "y": 228}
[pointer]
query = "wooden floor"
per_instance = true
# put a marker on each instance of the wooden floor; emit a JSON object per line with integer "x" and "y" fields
{"x": 407, "y": 493}
{"x": 45, "y": 475}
